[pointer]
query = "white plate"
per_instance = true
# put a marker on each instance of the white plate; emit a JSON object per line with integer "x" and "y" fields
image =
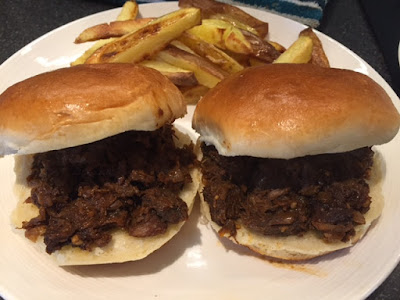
{"x": 195, "y": 262}
{"x": 398, "y": 54}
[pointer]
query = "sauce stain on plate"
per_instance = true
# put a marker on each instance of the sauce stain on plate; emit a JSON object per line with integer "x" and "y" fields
{"x": 293, "y": 266}
{"x": 299, "y": 267}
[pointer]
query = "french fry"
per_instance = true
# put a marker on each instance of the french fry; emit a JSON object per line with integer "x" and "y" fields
{"x": 235, "y": 23}
{"x": 211, "y": 7}
{"x": 242, "y": 59}
{"x": 236, "y": 42}
{"x": 226, "y": 36}
{"x": 261, "y": 49}
{"x": 178, "y": 76}
{"x": 277, "y": 46}
{"x": 129, "y": 11}
{"x": 206, "y": 73}
{"x": 298, "y": 53}
{"x": 195, "y": 57}
{"x": 148, "y": 40}
{"x": 113, "y": 29}
{"x": 192, "y": 95}
{"x": 254, "y": 62}
{"x": 82, "y": 59}
{"x": 182, "y": 46}
{"x": 181, "y": 79}
{"x": 223, "y": 35}
{"x": 318, "y": 56}
{"x": 210, "y": 34}
{"x": 212, "y": 53}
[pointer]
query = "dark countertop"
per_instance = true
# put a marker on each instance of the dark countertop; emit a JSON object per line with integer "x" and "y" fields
{"x": 344, "y": 20}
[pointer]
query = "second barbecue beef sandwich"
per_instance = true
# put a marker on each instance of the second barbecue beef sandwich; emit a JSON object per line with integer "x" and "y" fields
{"x": 287, "y": 165}
{"x": 101, "y": 174}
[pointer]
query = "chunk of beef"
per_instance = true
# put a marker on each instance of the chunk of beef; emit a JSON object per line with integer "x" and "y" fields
{"x": 327, "y": 193}
{"x": 130, "y": 181}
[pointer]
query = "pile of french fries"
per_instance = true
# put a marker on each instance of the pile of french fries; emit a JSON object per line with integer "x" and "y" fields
{"x": 196, "y": 46}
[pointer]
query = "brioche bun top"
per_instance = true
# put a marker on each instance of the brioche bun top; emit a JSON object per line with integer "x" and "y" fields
{"x": 286, "y": 111}
{"x": 82, "y": 104}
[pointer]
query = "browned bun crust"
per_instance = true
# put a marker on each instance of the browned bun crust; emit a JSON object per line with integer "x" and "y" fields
{"x": 287, "y": 111}
{"x": 83, "y": 104}
{"x": 309, "y": 245}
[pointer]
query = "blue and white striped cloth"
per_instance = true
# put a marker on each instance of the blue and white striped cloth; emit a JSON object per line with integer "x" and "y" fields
{"x": 308, "y": 12}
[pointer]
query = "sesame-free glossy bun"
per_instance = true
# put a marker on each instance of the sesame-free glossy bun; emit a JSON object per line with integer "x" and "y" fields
{"x": 292, "y": 110}
{"x": 82, "y": 104}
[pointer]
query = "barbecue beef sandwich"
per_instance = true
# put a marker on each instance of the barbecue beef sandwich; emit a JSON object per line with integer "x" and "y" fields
{"x": 101, "y": 173}
{"x": 287, "y": 165}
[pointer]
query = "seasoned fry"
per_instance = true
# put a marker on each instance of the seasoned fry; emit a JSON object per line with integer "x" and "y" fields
{"x": 129, "y": 11}
{"x": 193, "y": 94}
{"x": 178, "y": 76}
{"x": 148, "y": 40}
{"x": 211, "y": 7}
{"x": 113, "y": 29}
{"x": 298, "y": 53}
{"x": 206, "y": 73}
{"x": 212, "y": 53}
{"x": 318, "y": 56}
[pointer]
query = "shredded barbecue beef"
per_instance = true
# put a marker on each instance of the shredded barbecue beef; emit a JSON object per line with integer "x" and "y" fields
{"x": 326, "y": 193}
{"x": 129, "y": 181}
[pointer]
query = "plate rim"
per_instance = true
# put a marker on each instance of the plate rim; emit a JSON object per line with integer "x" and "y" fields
{"x": 386, "y": 86}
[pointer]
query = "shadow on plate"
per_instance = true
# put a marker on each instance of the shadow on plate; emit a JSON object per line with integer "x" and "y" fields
{"x": 186, "y": 238}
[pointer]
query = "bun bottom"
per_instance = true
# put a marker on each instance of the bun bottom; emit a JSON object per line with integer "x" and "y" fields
{"x": 310, "y": 245}
{"x": 122, "y": 247}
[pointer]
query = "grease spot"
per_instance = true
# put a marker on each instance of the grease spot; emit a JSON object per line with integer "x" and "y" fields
{"x": 298, "y": 267}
